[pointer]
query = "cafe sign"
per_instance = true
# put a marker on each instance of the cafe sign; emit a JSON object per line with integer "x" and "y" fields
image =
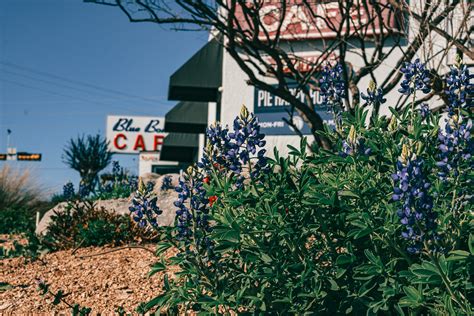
{"x": 135, "y": 134}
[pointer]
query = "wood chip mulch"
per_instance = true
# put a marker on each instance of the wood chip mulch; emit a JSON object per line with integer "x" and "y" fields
{"x": 104, "y": 282}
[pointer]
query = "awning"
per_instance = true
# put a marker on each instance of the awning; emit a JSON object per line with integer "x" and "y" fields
{"x": 200, "y": 77}
{"x": 181, "y": 147}
{"x": 187, "y": 117}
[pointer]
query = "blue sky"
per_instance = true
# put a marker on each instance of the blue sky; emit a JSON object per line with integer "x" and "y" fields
{"x": 65, "y": 65}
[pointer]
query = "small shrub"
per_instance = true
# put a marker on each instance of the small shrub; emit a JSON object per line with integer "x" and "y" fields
{"x": 15, "y": 221}
{"x": 118, "y": 184}
{"x": 82, "y": 223}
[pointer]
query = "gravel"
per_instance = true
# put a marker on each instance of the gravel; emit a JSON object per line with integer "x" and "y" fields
{"x": 109, "y": 279}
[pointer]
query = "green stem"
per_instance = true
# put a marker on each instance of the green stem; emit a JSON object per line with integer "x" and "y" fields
{"x": 413, "y": 110}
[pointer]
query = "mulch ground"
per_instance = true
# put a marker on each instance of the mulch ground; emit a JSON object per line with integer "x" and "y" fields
{"x": 102, "y": 282}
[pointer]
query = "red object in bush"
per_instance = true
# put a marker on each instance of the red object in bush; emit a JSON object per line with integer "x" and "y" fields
{"x": 212, "y": 200}
{"x": 206, "y": 180}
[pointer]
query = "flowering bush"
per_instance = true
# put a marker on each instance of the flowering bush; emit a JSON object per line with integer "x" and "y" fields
{"x": 118, "y": 184}
{"x": 382, "y": 224}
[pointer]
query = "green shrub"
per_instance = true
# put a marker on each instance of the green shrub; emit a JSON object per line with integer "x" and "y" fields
{"x": 381, "y": 224}
{"x": 14, "y": 221}
{"x": 83, "y": 224}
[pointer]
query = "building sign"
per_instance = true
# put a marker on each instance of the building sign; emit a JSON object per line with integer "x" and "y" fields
{"x": 271, "y": 110}
{"x": 303, "y": 62}
{"x": 135, "y": 134}
{"x": 28, "y": 156}
{"x": 303, "y": 20}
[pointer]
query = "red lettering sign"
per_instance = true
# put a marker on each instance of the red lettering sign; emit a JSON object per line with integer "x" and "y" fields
{"x": 158, "y": 142}
{"x": 116, "y": 141}
{"x": 139, "y": 143}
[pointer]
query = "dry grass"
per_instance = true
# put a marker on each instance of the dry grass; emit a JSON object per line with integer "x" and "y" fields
{"x": 17, "y": 189}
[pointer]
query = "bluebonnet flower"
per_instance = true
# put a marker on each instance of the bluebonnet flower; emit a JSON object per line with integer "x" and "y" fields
{"x": 183, "y": 213}
{"x": 193, "y": 213}
{"x": 416, "y": 78}
{"x": 411, "y": 189}
{"x": 150, "y": 185}
{"x": 233, "y": 151}
{"x": 374, "y": 95}
{"x": 456, "y": 144}
{"x": 333, "y": 90}
{"x": 424, "y": 110}
{"x": 116, "y": 169}
{"x": 133, "y": 183}
{"x": 354, "y": 145}
{"x": 68, "y": 191}
{"x": 144, "y": 209}
{"x": 459, "y": 88}
{"x": 167, "y": 183}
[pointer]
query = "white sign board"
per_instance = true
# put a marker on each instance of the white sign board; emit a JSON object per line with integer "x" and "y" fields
{"x": 148, "y": 160}
{"x": 135, "y": 134}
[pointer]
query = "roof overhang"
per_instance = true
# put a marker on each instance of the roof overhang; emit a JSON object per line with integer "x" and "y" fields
{"x": 187, "y": 117}
{"x": 200, "y": 77}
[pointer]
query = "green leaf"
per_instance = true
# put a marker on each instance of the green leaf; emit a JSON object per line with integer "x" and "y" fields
{"x": 166, "y": 282}
{"x": 344, "y": 259}
{"x": 471, "y": 243}
{"x": 456, "y": 255}
{"x": 348, "y": 194}
{"x": 266, "y": 258}
{"x": 412, "y": 294}
{"x": 5, "y": 286}
{"x": 157, "y": 267}
{"x": 157, "y": 301}
{"x": 162, "y": 247}
{"x": 57, "y": 297}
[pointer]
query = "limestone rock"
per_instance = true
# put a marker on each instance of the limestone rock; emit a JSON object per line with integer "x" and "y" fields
{"x": 120, "y": 206}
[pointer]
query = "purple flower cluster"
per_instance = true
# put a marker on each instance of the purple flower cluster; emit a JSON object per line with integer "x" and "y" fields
{"x": 144, "y": 208}
{"x": 416, "y": 78}
{"x": 424, "y": 110}
{"x": 116, "y": 169}
{"x": 459, "y": 88}
{"x": 374, "y": 95}
{"x": 68, "y": 191}
{"x": 333, "y": 90}
{"x": 456, "y": 144}
{"x": 167, "y": 183}
{"x": 234, "y": 150}
{"x": 411, "y": 189}
{"x": 354, "y": 145}
{"x": 193, "y": 212}
{"x": 183, "y": 213}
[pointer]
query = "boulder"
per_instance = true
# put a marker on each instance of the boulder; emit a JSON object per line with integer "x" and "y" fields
{"x": 120, "y": 206}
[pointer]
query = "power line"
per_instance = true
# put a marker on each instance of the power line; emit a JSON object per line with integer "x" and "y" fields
{"x": 91, "y": 86}
{"x": 56, "y": 83}
{"x": 61, "y": 95}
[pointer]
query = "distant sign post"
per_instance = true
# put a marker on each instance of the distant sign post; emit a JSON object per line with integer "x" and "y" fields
{"x": 135, "y": 134}
{"x": 28, "y": 156}
{"x": 13, "y": 155}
